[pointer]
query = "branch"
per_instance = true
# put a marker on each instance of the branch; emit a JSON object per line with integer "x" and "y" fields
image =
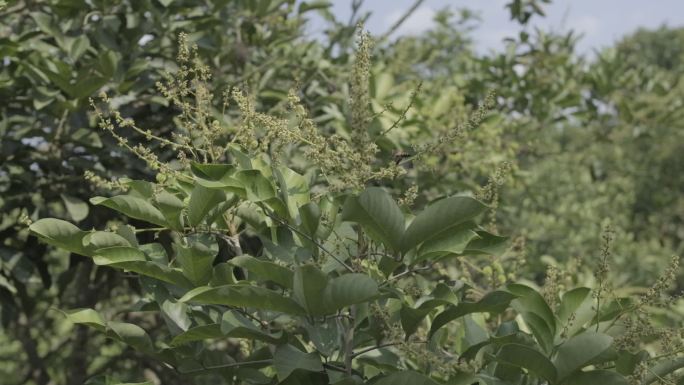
{"x": 284, "y": 223}
{"x": 663, "y": 369}
{"x": 223, "y": 366}
{"x": 401, "y": 20}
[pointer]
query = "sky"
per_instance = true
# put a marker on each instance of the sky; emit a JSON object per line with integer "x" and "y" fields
{"x": 601, "y": 22}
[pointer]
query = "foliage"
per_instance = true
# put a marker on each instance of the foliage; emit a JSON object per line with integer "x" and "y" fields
{"x": 56, "y": 54}
{"x": 286, "y": 167}
{"x": 262, "y": 282}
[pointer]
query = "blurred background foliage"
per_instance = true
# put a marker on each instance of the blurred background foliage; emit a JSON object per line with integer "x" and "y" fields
{"x": 570, "y": 143}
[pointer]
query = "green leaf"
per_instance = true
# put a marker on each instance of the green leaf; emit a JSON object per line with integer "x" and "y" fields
{"x": 349, "y": 289}
{"x": 309, "y": 284}
{"x": 131, "y": 259}
{"x": 294, "y": 189}
{"x": 492, "y": 302}
{"x": 487, "y": 243}
{"x": 198, "y": 333}
{"x": 77, "y": 209}
{"x": 212, "y": 171}
{"x": 306, "y": 6}
{"x": 627, "y": 362}
{"x": 222, "y": 275}
{"x": 536, "y": 313}
{"x": 258, "y": 188}
{"x": 172, "y": 208}
{"x": 265, "y": 270}
{"x": 325, "y": 335}
{"x": 78, "y": 46}
{"x": 88, "y": 317}
{"x": 287, "y": 359}
{"x": 527, "y": 358}
{"x": 127, "y": 333}
{"x": 60, "y": 233}
{"x": 329, "y": 209}
{"x": 46, "y": 24}
{"x": 196, "y": 260}
{"x": 237, "y": 326}
{"x": 411, "y": 317}
{"x": 102, "y": 239}
{"x": 176, "y": 316}
{"x": 405, "y": 377}
{"x": 87, "y": 84}
{"x": 243, "y": 296}
{"x": 310, "y": 216}
{"x": 572, "y": 300}
{"x": 602, "y": 377}
{"x": 378, "y": 214}
{"x": 439, "y": 218}
{"x": 454, "y": 242}
{"x": 133, "y": 207}
{"x": 202, "y": 200}
{"x": 130, "y": 334}
{"x": 321, "y": 296}
{"x": 579, "y": 351}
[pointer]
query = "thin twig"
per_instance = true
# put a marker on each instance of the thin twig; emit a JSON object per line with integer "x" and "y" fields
{"x": 282, "y": 222}
{"x": 401, "y": 20}
{"x": 410, "y": 271}
{"x": 402, "y": 116}
{"x": 224, "y": 366}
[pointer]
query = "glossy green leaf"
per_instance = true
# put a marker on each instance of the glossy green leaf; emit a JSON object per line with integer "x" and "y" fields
{"x": 287, "y": 359}
{"x": 320, "y": 295}
{"x": 575, "y": 310}
{"x": 131, "y": 259}
{"x": 236, "y": 325}
{"x": 378, "y": 214}
{"x": 527, "y": 358}
{"x": 61, "y": 234}
{"x": 493, "y": 302}
{"x": 454, "y": 242}
{"x": 127, "y": 333}
{"x": 196, "y": 260}
{"x": 265, "y": 270}
{"x": 439, "y": 218}
{"x": 310, "y": 216}
{"x": 101, "y": 239}
{"x": 176, "y": 316}
{"x": 536, "y": 313}
{"x": 130, "y": 334}
{"x": 212, "y": 171}
{"x": 309, "y": 284}
{"x": 202, "y": 200}
{"x": 578, "y": 351}
{"x": 487, "y": 243}
{"x": 133, "y": 207}
{"x": 258, "y": 188}
{"x": 294, "y": 189}
{"x": 349, "y": 289}
{"x": 243, "y": 296}
{"x": 171, "y": 207}
{"x": 198, "y": 333}
{"x": 572, "y": 300}
{"x": 87, "y": 317}
{"x": 77, "y": 209}
{"x": 78, "y": 47}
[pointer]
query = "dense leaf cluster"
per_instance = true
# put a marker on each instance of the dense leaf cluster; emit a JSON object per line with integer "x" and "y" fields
{"x": 273, "y": 262}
